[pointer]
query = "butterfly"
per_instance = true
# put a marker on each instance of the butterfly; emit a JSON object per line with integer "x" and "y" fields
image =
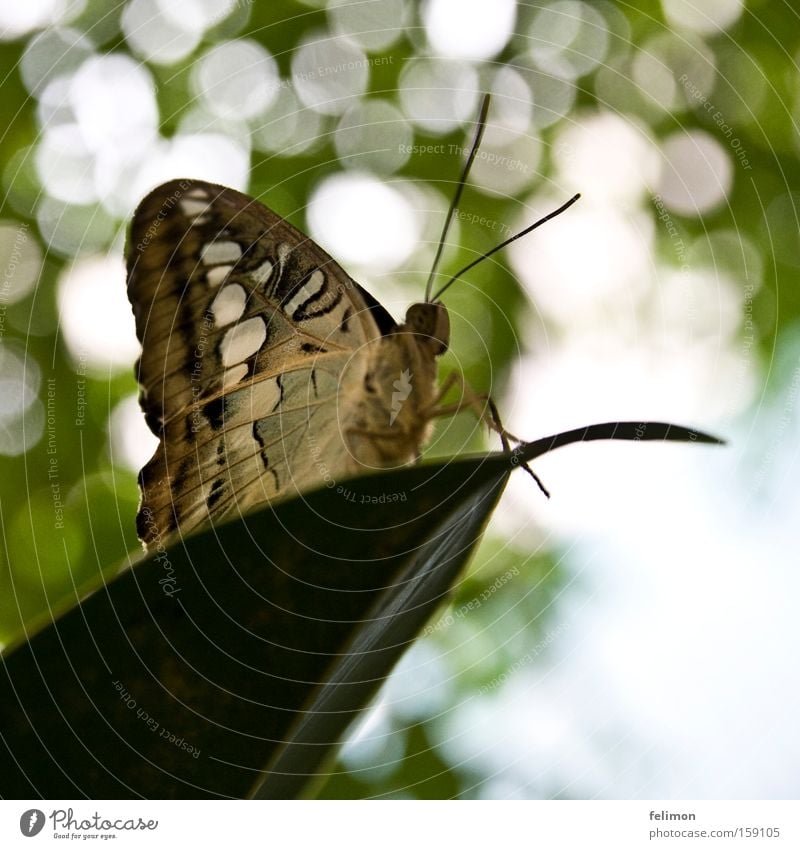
{"x": 266, "y": 370}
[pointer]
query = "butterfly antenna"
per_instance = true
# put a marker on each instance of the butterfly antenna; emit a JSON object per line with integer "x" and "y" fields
{"x": 502, "y": 245}
{"x": 473, "y": 152}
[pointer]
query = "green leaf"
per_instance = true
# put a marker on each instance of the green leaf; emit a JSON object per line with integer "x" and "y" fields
{"x": 231, "y": 665}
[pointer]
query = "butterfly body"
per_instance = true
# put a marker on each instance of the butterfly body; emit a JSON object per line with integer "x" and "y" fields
{"x": 265, "y": 369}
{"x": 392, "y": 417}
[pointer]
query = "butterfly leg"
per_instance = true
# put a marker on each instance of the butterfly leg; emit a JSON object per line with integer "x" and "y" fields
{"x": 469, "y": 400}
{"x": 478, "y": 403}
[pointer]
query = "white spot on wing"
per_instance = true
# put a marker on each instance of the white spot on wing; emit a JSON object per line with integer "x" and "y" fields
{"x": 193, "y": 208}
{"x": 306, "y": 291}
{"x": 234, "y": 375}
{"x": 217, "y": 252}
{"x": 261, "y": 274}
{"x": 229, "y": 304}
{"x": 265, "y": 396}
{"x": 215, "y": 276}
{"x": 197, "y": 193}
{"x": 242, "y": 341}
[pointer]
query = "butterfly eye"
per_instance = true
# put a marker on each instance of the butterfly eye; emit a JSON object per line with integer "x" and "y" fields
{"x": 432, "y": 321}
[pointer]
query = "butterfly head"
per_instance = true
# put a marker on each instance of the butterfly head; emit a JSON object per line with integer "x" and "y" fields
{"x": 431, "y": 323}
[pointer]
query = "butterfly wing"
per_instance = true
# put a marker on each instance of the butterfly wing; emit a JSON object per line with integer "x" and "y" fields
{"x": 248, "y": 330}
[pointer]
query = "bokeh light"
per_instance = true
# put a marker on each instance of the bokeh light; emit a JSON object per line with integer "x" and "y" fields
{"x": 376, "y": 25}
{"x": 21, "y": 410}
{"x": 568, "y": 38}
{"x": 132, "y": 443}
{"x": 511, "y": 107}
{"x": 155, "y": 37}
{"x": 709, "y": 17}
{"x": 215, "y": 157}
{"x": 20, "y": 261}
{"x": 114, "y": 102}
{"x": 17, "y": 19}
{"x": 196, "y": 15}
{"x": 96, "y": 318}
{"x": 329, "y": 73}
{"x": 52, "y": 55}
{"x": 593, "y": 257}
{"x": 697, "y": 174}
{"x": 608, "y": 159}
{"x": 438, "y": 95}
{"x": 236, "y": 79}
{"x": 375, "y": 136}
{"x": 361, "y": 220}
{"x": 553, "y": 95}
{"x": 461, "y": 29}
{"x": 65, "y": 164}
{"x": 674, "y": 72}
{"x": 287, "y": 128}
{"x": 70, "y": 229}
